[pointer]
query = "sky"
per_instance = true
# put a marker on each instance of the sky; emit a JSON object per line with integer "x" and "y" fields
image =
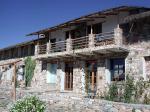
{"x": 21, "y": 17}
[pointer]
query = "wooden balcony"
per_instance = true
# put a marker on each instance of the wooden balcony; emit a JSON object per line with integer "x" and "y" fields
{"x": 92, "y": 41}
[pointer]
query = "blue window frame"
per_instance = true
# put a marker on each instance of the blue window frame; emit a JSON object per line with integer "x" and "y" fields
{"x": 117, "y": 67}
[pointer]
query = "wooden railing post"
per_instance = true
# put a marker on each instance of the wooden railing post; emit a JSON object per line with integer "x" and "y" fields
{"x": 118, "y": 35}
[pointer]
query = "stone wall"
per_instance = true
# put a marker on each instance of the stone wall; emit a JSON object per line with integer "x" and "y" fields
{"x": 60, "y": 76}
{"x": 78, "y": 77}
{"x": 135, "y": 62}
{"x": 147, "y": 67}
{"x": 39, "y": 78}
{"x": 101, "y": 77}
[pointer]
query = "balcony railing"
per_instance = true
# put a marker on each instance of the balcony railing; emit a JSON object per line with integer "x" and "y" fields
{"x": 104, "y": 39}
{"x": 58, "y": 46}
{"x": 42, "y": 49}
{"x": 80, "y": 43}
{"x": 93, "y": 40}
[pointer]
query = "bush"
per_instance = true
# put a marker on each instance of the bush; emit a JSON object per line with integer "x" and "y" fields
{"x": 112, "y": 94}
{"x": 132, "y": 92}
{"x": 129, "y": 89}
{"x": 29, "y": 104}
{"x": 139, "y": 90}
{"x": 29, "y": 70}
{"x": 146, "y": 99}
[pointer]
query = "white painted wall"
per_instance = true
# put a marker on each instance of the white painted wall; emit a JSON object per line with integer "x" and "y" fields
{"x": 112, "y": 22}
{"x": 58, "y": 34}
{"x": 62, "y": 76}
{"x": 107, "y": 71}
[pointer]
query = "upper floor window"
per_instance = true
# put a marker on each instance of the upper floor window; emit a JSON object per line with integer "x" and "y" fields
{"x": 97, "y": 28}
{"x": 67, "y": 34}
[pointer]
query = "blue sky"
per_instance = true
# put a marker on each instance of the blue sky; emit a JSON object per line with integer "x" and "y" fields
{"x": 20, "y": 17}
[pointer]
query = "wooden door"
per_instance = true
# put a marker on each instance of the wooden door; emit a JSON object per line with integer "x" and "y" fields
{"x": 69, "y": 76}
{"x": 92, "y": 74}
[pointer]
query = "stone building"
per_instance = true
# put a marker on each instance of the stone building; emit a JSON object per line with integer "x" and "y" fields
{"x": 88, "y": 52}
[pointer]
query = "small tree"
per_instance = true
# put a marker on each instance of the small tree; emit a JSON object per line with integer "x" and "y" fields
{"x": 29, "y": 70}
{"x": 128, "y": 89}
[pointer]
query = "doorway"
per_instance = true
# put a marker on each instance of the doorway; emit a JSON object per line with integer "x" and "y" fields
{"x": 91, "y": 75}
{"x": 69, "y": 76}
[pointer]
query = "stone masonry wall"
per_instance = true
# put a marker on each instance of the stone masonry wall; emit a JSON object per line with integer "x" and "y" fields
{"x": 39, "y": 78}
{"x": 101, "y": 78}
{"x": 78, "y": 77}
{"x": 135, "y": 59}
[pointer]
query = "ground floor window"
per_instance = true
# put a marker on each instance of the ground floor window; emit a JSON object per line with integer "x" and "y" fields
{"x": 117, "y": 68}
{"x": 51, "y": 72}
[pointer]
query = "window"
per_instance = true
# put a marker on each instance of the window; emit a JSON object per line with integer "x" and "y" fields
{"x": 88, "y": 29}
{"x": 32, "y": 49}
{"x": 51, "y": 73}
{"x": 44, "y": 65}
{"x": 117, "y": 69}
{"x": 67, "y": 34}
{"x": 97, "y": 28}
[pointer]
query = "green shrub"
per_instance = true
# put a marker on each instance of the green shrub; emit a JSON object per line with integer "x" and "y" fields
{"x": 146, "y": 99}
{"x": 139, "y": 90}
{"x": 29, "y": 70}
{"x": 29, "y": 104}
{"x": 128, "y": 89}
{"x": 132, "y": 92}
{"x": 112, "y": 94}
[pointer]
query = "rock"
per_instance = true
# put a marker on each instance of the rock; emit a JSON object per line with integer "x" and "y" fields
{"x": 113, "y": 110}
{"x": 137, "y": 110}
{"x": 107, "y": 107}
{"x": 146, "y": 110}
